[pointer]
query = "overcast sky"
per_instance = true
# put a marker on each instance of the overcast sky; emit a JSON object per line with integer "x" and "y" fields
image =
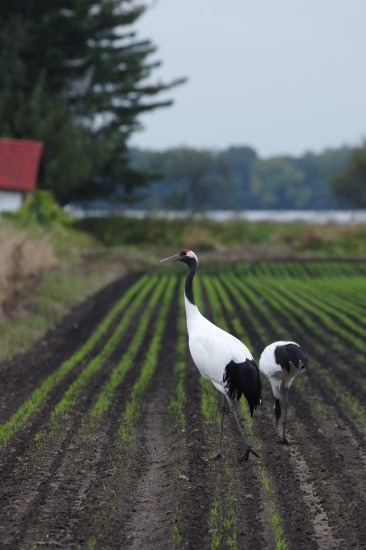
{"x": 282, "y": 76}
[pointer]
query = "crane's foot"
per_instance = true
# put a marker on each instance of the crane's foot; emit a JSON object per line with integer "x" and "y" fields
{"x": 245, "y": 456}
{"x": 217, "y": 456}
{"x": 284, "y": 441}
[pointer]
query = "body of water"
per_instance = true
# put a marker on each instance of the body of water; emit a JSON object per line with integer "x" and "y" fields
{"x": 308, "y": 216}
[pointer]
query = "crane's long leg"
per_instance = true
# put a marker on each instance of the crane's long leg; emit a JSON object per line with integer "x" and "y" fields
{"x": 219, "y": 454}
{"x": 248, "y": 447}
{"x": 284, "y": 438}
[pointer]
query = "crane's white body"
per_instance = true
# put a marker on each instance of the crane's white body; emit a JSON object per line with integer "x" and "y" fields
{"x": 281, "y": 362}
{"x": 280, "y": 379}
{"x": 219, "y": 356}
{"x": 211, "y": 347}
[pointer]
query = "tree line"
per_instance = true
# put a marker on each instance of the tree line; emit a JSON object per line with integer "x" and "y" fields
{"x": 238, "y": 179}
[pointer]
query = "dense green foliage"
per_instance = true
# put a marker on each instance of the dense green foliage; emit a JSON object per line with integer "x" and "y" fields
{"x": 237, "y": 179}
{"x": 350, "y": 183}
{"x": 40, "y": 208}
{"x": 74, "y": 75}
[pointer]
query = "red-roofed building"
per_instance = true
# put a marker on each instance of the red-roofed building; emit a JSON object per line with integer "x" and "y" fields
{"x": 19, "y": 165}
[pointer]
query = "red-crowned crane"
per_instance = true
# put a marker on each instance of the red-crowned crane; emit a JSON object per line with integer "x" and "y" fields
{"x": 219, "y": 356}
{"x": 281, "y": 362}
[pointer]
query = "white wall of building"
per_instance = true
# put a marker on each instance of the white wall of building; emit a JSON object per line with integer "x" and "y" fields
{"x": 10, "y": 201}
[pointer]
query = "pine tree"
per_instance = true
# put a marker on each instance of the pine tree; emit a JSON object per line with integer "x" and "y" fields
{"x": 74, "y": 74}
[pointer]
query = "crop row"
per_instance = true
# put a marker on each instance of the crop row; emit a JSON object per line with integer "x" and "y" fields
{"x": 303, "y": 270}
{"x": 40, "y": 394}
{"x": 288, "y": 316}
{"x": 215, "y": 293}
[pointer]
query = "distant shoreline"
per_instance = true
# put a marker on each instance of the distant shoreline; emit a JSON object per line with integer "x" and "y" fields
{"x": 308, "y": 216}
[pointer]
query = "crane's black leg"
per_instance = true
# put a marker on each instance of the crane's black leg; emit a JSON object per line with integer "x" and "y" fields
{"x": 219, "y": 455}
{"x": 277, "y": 410}
{"x": 284, "y": 438}
{"x": 248, "y": 447}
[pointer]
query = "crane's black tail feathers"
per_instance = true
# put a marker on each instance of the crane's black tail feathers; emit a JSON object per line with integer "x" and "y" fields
{"x": 289, "y": 352}
{"x": 244, "y": 378}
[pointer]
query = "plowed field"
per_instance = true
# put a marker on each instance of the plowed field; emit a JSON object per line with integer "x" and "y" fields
{"x": 107, "y": 428}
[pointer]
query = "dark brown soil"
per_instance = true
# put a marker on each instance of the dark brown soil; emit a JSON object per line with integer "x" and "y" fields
{"x": 81, "y": 487}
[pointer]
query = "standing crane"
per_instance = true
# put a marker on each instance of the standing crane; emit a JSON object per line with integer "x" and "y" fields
{"x": 281, "y": 362}
{"x": 219, "y": 356}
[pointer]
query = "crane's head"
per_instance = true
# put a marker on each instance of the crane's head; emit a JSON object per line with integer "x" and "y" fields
{"x": 186, "y": 256}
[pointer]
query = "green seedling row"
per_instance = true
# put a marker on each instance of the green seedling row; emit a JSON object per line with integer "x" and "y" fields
{"x": 271, "y": 507}
{"x": 283, "y": 306}
{"x": 222, "y": 516}
{"x": 303, "y": 270}
{"x": 243, "y": 301}
{"x": 347, "y": 293}
{"x": 106, "y": 395}
{"x": 319, "y": 307}
{"x": 282, "y": 299}
{"x": 331, "y": 330}
{"x": 178, "y": 399}
{"x": 177, "y": 410}
{"x": 351, "y": 403}
{"x": 39, "y": 396}
{"x": 350, "y": 303}
{"x": 70, "y": 397}
{"x": 134, "y": 404}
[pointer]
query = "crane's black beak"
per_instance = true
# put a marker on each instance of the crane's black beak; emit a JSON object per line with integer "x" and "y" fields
{"x": 171, "y": 258}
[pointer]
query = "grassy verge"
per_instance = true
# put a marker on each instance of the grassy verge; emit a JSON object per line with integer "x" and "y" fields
{"x": 263, "y": 238}
{"x": 44, "y": 305}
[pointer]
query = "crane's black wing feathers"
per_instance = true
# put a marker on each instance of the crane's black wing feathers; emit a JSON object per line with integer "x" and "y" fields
{"x": 244, "y": 378}
{"x": 289, "y": 352}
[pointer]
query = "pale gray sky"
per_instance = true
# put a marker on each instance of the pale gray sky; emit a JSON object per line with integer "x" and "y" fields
{"x": 282, "y": 76}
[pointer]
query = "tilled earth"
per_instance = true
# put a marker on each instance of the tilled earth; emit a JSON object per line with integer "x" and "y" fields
{"x": 81, "y": 486}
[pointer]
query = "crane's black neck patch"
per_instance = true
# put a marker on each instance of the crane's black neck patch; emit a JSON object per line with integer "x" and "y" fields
{"x": 188, "y": 290}
{"x": 244, "y": 378}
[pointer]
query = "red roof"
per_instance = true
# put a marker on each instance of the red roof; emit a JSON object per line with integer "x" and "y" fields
{"x": 19, "y": 164}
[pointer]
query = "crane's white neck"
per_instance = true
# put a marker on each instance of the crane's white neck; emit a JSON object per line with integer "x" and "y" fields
{"x": 192, "y": 313}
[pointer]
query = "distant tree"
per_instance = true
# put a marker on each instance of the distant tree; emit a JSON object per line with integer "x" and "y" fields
{"x": 350, "y": 183}
{"x": 241, "y": 160}
{"x": 74, "y": 74}
{"x": 277, "y": 184}
{"x": 318, "y": 169}
{"x": 196, "y": 180}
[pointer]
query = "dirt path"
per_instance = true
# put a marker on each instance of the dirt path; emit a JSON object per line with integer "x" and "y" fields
{"x": 82, "y": 486}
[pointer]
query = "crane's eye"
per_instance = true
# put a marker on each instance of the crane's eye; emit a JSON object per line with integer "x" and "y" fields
{"x": 183, "y": 253}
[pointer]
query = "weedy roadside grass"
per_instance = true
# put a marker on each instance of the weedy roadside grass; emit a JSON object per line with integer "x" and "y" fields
{"x": 42, "y": 276}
